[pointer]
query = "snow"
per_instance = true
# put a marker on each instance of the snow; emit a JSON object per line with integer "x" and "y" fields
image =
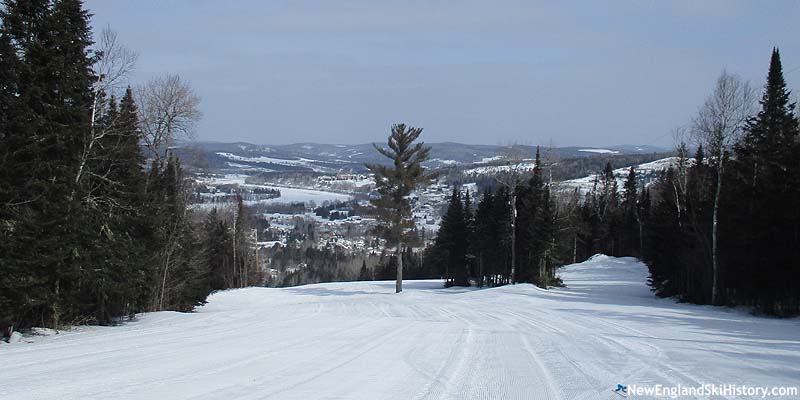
{"x": 650, "y": 169}
{"x": 245, "y": 167}
{"x": 486, "y": 160}
{"x": 523, "y": 166}
{"x": 227, "y": 179}
{"x": 444, "y": 162}
{"x": 599, "y": 151}
{"x": 359, "y": 340}
{"x": 300, "y": 162}
{"x": 288, "y": 195}
{"x": 292, "y": 195}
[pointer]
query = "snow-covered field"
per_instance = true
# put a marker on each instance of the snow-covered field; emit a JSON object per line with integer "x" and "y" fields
{"x": 648, "y": 170}
{"x": 288, "y": 195}
{"x": 361, "y": 341}
{"x": 292, "y": 195}
{"x": 298, "y": 162}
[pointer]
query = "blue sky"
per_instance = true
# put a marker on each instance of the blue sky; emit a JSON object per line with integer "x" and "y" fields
{"x": 492, "y": 72}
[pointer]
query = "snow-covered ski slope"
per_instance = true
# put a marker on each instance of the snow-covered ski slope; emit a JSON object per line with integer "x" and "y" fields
{"x": 361, "y": 341}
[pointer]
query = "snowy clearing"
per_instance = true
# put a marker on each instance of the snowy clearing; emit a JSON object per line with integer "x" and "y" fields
{"x": 293, "y": 195}
{"x": 586, "y": 183}
{"x": 288, "y": 195}
{"x": 361, "y": 341}
{"x": 599, "y": 151}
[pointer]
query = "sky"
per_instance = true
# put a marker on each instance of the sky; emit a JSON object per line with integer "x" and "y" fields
{"x": 589, "y": 73}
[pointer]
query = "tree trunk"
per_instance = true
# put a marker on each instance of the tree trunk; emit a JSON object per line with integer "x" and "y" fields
{"x": 56, "y": 308}
{"x": 714, "y": 247}
{"x": 164, "y": 282}
{"x": 480, "y": 270}
{"x": 513, "y": 278}
{"x": 575, "y": 249}
{"x": 399, "y": 283}
{"x": 235, "y": 278}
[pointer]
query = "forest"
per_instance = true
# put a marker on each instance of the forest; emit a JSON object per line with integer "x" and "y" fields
{"x": 94, "y": 223}
{"x": 722, "y": 226}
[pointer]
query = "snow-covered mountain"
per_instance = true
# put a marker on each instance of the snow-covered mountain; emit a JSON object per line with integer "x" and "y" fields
{"x": 333, "y": 158}
{"x": 646, "y": 174}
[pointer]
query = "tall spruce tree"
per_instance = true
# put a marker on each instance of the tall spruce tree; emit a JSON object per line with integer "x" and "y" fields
{"x": 469, "y": 226}
{"x": 501, "y": 213}
{"x": 452, "y": 240}
{"x": 13, "y": 275}
{"x": 631, "y": 225}
{"x": 483, "y": 239}
{"x": 529, "y": 243}
{"x": 78, "y": 237}
{"x": 768, "y": 174}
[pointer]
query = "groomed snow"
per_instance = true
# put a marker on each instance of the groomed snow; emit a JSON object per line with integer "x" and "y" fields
{"x": 361, "y": 341}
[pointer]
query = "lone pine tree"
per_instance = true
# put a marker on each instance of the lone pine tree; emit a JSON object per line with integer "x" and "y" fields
{"x": 395, "y": 182}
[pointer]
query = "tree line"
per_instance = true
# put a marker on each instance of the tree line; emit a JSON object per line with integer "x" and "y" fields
{"x": 721, "y": 227}
{"x": 726, "y": 226}
{"x": 94, "y": 223}
{"x": 522, "y": 232}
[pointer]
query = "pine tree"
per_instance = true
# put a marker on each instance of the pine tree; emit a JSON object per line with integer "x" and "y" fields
{"x": 664, "y": 239}
{"x": 501, "y": 213}
{"x": 766, "y": 170}
{"x": 52, "y": 113}
{"x": 698, "y": 229}
{"x": 78, "y": 235}
{"x": 469, "y": 226}
{"x": 545, "y": 239}
{"x": 12, "y": 274}
{"x": 529, "y": 206}
{"x": 24, "y": 291}
{"x": 483, "y": 239}
{"x": 364, "y": 274}
{"x": 126, "y": 171}
{"x": 452, "y": 241}
{"x": 631, "y": 224}
{"x": 394, "y": 183}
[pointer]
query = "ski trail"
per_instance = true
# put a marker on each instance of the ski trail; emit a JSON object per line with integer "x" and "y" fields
{"x": 359, "y": 340}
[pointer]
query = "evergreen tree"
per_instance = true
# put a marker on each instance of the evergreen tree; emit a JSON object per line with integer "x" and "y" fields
{"x": 469, "y": 226}
{"x": 395, "y": 183}
{"x": 364, "y": 274}
{"x": 767, "y": 177}
{"x": 452, "y": 240}
{"x": 543, "y": 240}
{"x": 631, "y": 224}
{"x": 483, "y": 240}
{"x": 664, "y": 237}
{"x": 14, "y": 277}
{"x": 501, "y": 213}
{"x": 84, "y": 232}
{"x": 530, "y": 245}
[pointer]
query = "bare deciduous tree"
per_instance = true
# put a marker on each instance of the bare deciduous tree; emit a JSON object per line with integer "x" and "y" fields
{"x": 515, "y": 155}
{"x": 717, "y": 126}
{"x": 112, "y": 63}
{"x": 168, "y": 110}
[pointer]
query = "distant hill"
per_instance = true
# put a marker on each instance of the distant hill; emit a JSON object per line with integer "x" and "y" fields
{"x": 333, "y": 158}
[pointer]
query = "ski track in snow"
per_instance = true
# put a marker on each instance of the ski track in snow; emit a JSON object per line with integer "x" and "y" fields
{"x": 359, "y": 340}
